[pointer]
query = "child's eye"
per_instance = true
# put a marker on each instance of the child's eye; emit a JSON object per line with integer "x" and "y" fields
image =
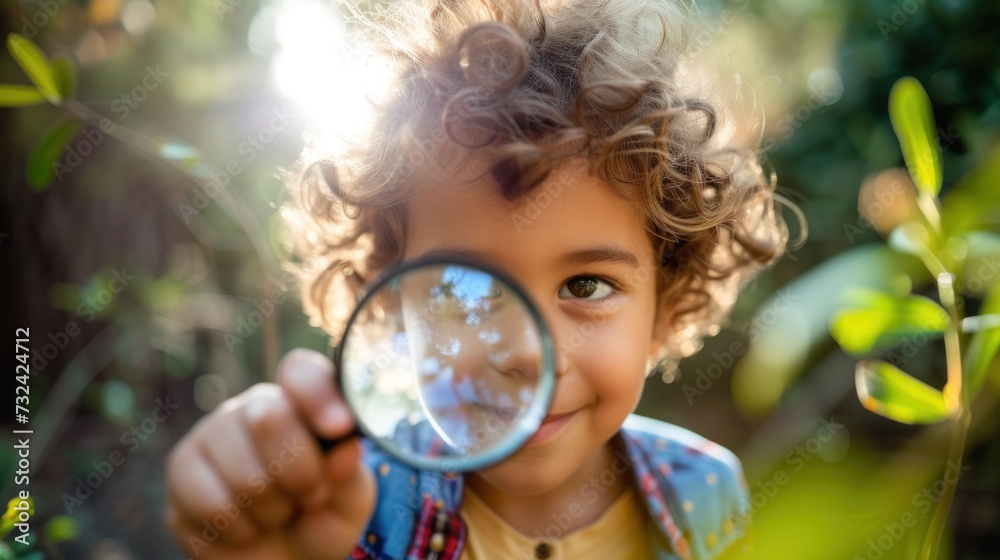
{"x": 468, "y": 295}
{"x": 495, "y": 291}
{"x": 588, "y": 288}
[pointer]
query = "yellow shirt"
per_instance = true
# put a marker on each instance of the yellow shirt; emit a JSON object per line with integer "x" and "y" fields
{"x": 621, "y": 532}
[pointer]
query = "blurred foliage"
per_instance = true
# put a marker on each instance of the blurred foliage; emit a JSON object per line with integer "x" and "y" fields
{"x": 879, "y": 318}
{"x": 154, "y": 274}
{"x": 831, "y": 158}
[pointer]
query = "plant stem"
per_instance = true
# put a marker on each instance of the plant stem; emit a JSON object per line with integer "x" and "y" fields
{"x": 957, "y": 401}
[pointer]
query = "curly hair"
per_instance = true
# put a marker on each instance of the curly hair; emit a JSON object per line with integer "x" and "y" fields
{"x": 529, "y": 85}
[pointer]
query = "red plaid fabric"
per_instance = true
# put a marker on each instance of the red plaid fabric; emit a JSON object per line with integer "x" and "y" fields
{"x": 454, "y": 534}
{"x": 359, "y": 553}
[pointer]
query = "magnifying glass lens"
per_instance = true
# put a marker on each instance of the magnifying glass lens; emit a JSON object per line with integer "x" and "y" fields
{"x": 447, "y": 366}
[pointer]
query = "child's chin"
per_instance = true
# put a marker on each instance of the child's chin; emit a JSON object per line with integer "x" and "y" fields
{"x": 527, "y": 475}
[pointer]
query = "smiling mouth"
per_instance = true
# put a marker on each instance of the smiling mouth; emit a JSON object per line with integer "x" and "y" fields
{"x": 551, "y": 425}
{"x": 554, "y": 417}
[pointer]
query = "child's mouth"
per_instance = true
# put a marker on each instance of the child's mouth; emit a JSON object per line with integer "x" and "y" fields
{"x": 551, "y": 425}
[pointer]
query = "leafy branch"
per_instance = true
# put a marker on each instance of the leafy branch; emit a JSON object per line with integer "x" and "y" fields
{"x": 872, "y": 320}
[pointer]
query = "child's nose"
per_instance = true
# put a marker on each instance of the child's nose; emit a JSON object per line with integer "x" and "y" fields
{"x": 523, "y": 353}
{"x": 558, "y": 330}
{"x": 531, "y": 347}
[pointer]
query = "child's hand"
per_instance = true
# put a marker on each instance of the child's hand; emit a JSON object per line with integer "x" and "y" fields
{"x": 250, "y": 482}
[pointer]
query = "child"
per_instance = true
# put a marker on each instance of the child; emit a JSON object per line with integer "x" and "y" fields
{"x": 558, "y": 142}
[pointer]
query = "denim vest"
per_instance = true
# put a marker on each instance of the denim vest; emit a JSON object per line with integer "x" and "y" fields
{"x": 694, "y": 491}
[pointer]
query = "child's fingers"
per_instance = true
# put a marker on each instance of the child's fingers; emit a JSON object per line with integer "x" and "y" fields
{"x": 197, "y": 495}
{"x": 308, "y": 378}
{"x": 346, "y": 512}
{"x": 317, "y": 531}
{"x": 233, "y": 454}
{"x": 270, "y": 546}
{"x": 292, "y": 460}
{"x": 355, "y": 484}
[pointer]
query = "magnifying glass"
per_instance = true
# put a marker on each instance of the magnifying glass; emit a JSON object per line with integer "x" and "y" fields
{"x": 446, "y": 365}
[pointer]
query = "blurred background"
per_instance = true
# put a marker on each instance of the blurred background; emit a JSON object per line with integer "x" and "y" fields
{"x": 151, "y": 297}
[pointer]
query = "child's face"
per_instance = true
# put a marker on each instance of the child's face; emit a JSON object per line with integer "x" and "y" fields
{"x": 583, "y": 256}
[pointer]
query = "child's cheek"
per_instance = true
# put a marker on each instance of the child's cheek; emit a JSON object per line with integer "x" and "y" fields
{"x": 613, "y": 364}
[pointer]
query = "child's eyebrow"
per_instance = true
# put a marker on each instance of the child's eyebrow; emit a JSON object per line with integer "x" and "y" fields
{"x": 600, "y": 254}
{"x": 603, "y": 253}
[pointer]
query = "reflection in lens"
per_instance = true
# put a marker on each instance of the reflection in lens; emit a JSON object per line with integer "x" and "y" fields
{"x": 445, "y": 363}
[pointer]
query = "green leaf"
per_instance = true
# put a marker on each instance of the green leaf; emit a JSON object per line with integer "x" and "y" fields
{"x": 20, "y": 96}
{"x": 44, "y": 157}
{"x": 891, "y": 392}
{"x": 913, "y": 121}
{"x": 65, "y": 75}
{"x": 781, "y": 343}
{"x": 983, "y": 347}
{"x": 35, "y": 64}
{"x": 873, "y": 320}
{"x": 61, "y": 528}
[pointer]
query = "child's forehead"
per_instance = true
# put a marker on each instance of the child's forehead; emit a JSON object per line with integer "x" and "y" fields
{"x": 570, "y": 210}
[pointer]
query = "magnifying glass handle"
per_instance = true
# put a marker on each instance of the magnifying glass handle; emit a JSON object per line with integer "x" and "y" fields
{"x": 328, "y": 444}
